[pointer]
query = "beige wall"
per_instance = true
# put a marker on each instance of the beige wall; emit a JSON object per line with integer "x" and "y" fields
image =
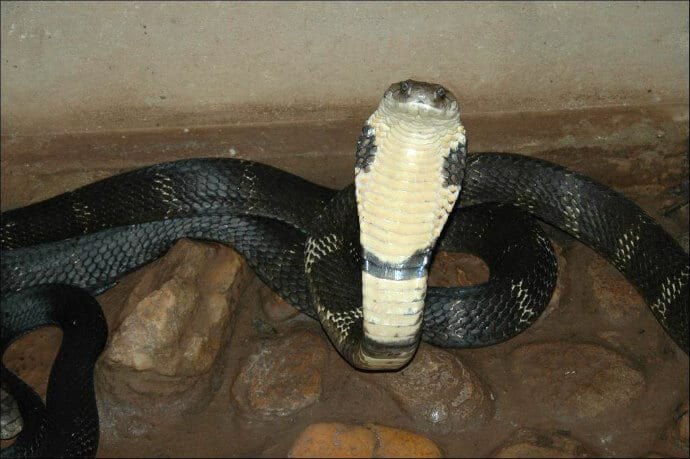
{"x": 98, "y": 66}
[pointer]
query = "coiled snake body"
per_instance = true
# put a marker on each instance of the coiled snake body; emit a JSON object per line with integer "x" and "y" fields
{"x": 355, "y": 259}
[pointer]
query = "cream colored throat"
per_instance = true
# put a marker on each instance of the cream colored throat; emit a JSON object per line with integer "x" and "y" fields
{"x": 393, "y": 308}
{"x": 403, "y": 200}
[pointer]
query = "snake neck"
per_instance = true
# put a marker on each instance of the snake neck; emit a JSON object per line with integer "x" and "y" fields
{"x": 407, "y": 176}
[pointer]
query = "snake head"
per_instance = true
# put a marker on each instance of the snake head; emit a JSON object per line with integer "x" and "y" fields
{"x": 416, "y": 96}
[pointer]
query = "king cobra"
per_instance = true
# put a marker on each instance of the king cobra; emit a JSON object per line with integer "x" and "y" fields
{"x": 355, "y": 259}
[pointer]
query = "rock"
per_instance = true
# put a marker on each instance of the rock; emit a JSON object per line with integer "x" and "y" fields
{"x": 617, "y": 297}
{"x": 533, "y": 444}
{"x": 283, "y": 377}
{"x": 454, "y": 269}
{"x": 680, "y": 430}
{"x": 576, "y": 381}
{"x": 175, "y": 316}
{"x": 391, "y": 442}
{"x": 334, "y": 440}
{"x": 682, "y": 423}
{"x": 276, "y": 308}
{"x": 371, "y": 440}
{"x": 439, "y": 391}
{"x": 673, "y": 439}
{"x": 167, "y": 335}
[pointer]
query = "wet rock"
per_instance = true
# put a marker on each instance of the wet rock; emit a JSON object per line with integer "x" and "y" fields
{"x": 283, "y": 377}
{"x": 371, "y": 440}
{"x": 576, "y": 381}
{"x": 439, "y": 391}
{"x": 173, "y": 320}
{"x": 534, "y": 444}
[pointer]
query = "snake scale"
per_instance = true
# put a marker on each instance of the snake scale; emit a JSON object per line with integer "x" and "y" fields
{"x": 356, "y": 259}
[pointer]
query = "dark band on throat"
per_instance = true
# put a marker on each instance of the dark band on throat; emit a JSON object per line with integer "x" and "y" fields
{"x": 413, "y": 267}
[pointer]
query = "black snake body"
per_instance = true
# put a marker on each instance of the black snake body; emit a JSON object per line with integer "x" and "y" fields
{"x": 272, "y": 218}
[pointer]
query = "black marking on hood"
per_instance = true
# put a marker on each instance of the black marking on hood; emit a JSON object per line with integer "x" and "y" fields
{"x": 454, "y": 165}
{"x": 366, "y": 149}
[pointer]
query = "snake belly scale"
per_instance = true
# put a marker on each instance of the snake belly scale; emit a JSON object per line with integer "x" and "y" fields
{"x": 355, "y": 259}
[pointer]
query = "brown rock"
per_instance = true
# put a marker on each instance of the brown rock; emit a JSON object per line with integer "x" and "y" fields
{"x": 392, "y": 442}
{"x": 334, "y": 440}
{"x": 173, "y": 320}
{"x": 674, "y": 436}
{"x": 372, "y": 440}
{"x": 439, "y": 391}
{"x": 533, "y": 444}
{"x": 617, "y": 297}
{"x": 283, "y": 377}
{"x": 452, "y": 269}
{"x": 276, "y": 308}
{"x": 682, "y": 424}
{"x": 678, "y": 431}
{"x": 573, "y": 380}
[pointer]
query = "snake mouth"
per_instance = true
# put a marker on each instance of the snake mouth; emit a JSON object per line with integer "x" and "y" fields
{"x": 407, "y": 179}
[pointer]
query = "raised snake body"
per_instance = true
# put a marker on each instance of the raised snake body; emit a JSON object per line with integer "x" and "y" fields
{"x": 307, "y": 244}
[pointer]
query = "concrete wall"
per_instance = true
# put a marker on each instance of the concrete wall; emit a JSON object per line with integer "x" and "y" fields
{"x": 109, "y": 65}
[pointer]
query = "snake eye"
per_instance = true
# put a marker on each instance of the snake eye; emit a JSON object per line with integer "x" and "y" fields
{"x": 405, "y": 86}
{"x": 440, "y": 92}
